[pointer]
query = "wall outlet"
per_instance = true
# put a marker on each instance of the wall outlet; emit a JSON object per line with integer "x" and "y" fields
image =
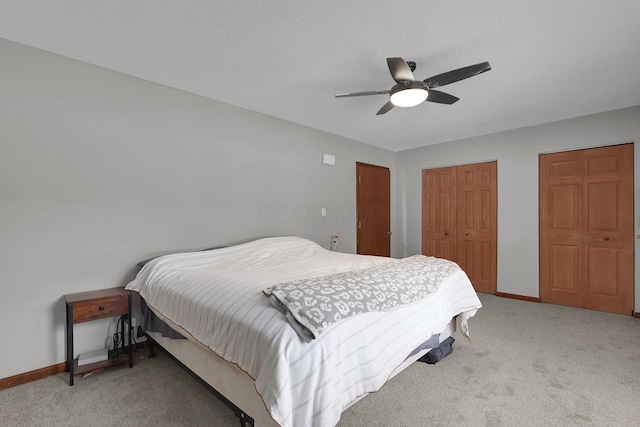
{"x": 334, "y": 243}
{"x": 136, "y": 331}
{"x": 139, "y": 336}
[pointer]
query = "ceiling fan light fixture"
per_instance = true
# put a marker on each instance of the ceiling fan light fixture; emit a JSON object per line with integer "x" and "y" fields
{"x": 409, "y": 97}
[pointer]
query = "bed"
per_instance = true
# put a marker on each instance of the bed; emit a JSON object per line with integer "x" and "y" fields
{"x": 245, "y": 345}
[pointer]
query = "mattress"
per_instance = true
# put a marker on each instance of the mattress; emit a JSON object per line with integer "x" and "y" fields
{"x": 216, "y": 298}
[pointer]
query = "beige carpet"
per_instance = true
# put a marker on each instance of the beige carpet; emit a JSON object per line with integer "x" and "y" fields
{"x": 528, "y": 365}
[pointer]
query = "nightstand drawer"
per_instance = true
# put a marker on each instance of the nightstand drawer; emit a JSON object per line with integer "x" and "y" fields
{"x": 101, "y": 307}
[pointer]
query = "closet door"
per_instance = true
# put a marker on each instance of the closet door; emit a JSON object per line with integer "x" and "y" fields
{"x": 459, "y": 219}
{"x": 586, "y": 228}
{"x": 477, "y": 224}
{"x": 439, "y": 223}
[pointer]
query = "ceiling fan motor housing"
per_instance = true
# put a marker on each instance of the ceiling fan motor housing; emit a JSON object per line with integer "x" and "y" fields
{"x": 408, "y": 85}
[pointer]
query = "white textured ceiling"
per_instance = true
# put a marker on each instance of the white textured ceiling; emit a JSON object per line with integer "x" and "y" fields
{"x": 551, "y": 59}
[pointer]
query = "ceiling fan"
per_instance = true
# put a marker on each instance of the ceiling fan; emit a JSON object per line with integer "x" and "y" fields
{"x": 408, "y": 92}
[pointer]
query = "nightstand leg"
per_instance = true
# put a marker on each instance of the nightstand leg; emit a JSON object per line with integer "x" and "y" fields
{"x": 70, "y": 342}
{"x": 130, "y": 346}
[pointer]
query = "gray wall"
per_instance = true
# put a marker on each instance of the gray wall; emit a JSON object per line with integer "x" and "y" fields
{"x": 99, "y": 170}
{"x": 517, "y": 154}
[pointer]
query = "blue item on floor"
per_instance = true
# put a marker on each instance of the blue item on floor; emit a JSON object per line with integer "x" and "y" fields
{"x": 438, "y": 353}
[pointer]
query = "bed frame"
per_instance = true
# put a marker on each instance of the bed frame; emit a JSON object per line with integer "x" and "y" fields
{"x": 234, "y": 387}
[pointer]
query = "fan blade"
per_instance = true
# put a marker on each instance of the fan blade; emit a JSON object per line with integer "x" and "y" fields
{"x": 373, "y": 92}
{"x": 457, "y": 75}
{"x": 386, "y": 107}
{"x": 441, "y": 97}
{"x": 400, "y": 71}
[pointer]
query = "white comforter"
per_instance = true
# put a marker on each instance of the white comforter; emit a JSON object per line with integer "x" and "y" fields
{"x": 217, "y": 297}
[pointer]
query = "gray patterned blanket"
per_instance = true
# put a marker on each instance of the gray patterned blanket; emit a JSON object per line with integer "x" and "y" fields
{"x": 312, "y": 305}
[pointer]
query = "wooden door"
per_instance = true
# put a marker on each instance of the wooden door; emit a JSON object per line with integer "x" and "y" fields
{"x": 373, "y": 209}
{"x": 477, "y": 224}
{"x": 586, "y": 228}
{"x": 439, "y": 224}
{"x": 459, "y": 219}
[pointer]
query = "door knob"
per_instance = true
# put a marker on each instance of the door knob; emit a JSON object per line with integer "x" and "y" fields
{"x": 606, "y": 237}
{"x": 389, "y": 233}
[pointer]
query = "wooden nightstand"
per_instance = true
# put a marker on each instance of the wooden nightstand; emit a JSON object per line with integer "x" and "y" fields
{"x": 92, "y": 305}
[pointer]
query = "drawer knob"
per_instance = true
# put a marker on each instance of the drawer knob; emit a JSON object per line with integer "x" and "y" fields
{"x": 101, "y": 308}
